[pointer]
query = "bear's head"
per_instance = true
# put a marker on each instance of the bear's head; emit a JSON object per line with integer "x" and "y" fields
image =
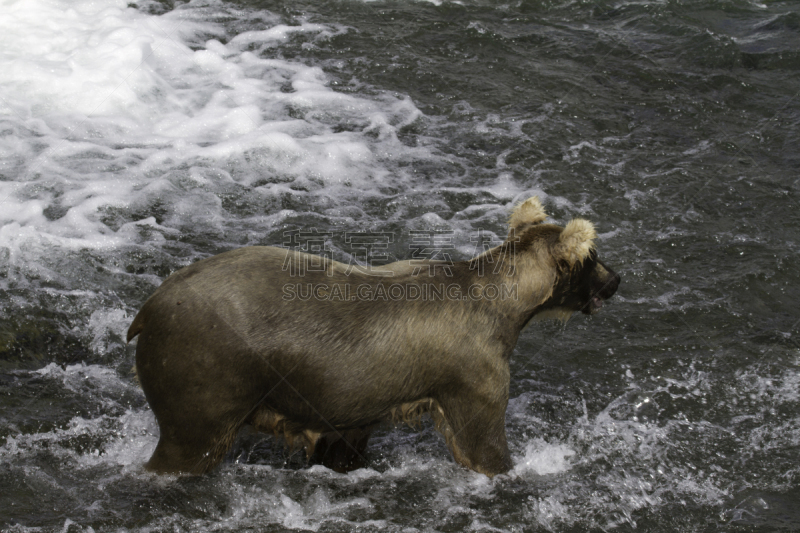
{"x": 559, "y": 265}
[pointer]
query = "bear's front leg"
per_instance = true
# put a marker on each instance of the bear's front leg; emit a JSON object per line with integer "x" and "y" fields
{"x": 474, "y": 427}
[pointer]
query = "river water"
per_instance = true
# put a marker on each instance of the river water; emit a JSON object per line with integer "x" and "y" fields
{"x": 138, "y": 138}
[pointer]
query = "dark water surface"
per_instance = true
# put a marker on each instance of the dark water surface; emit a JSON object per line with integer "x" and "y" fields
{"x": 137, "y": 139}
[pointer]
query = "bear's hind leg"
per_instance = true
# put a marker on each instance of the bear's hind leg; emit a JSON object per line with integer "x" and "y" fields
{"x": 181, "y": 450}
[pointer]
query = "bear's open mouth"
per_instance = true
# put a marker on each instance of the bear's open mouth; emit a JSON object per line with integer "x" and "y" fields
{"x": 595, "y": 304}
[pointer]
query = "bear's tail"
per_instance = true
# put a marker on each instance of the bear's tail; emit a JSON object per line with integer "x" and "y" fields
{"x": 136, "y": 327}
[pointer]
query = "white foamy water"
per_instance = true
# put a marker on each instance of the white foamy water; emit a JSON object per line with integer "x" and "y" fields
{"x": 110, "y": 116}
{"x": 125, "y": 440}
{"x": 544, "y": 458}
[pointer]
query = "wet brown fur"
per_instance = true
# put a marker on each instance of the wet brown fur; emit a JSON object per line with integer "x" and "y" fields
{"x": 221, "y": 347}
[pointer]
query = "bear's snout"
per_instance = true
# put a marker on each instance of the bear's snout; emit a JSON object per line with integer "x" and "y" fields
{"x": 604, "y": 285}
{"x": 609, "y": 282}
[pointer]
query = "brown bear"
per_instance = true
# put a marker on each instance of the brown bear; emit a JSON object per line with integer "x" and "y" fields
{"x": 240, "y": 338}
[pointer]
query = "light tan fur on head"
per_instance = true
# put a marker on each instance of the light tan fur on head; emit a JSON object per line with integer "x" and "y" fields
{"x": 527, "y": 213}
{"x": 576, "y": 242}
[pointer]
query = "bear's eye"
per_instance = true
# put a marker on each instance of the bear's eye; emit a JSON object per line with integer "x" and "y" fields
{"x": 590, "y": 264}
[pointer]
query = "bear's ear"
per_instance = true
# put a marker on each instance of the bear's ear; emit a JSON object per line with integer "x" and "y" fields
{"x": 576, "y": 242}
{"x": 527, "y": 213}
